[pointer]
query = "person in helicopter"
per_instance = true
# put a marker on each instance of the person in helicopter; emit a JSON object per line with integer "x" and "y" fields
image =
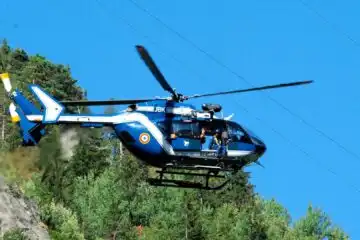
{"x": 219, "y": 142}
{"x": 224, "y": 141}
{"x": 202, "y": 137}
{"x": 216, "y": 140}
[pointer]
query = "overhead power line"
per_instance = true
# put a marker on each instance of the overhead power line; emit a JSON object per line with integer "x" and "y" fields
{"x": 134, "y": 29}
{"x": 333, "y": 26}
{"x": 308, "y": 155}
{"x": 259, "y": 119}
{"x": 319, "y": 131}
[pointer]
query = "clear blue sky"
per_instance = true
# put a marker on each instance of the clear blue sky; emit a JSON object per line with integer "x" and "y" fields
{"x": 264, "y": 41}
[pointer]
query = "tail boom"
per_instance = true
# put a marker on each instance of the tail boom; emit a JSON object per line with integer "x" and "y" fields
{"x": 74, "y": 119}
{"x": 32, "y": 121}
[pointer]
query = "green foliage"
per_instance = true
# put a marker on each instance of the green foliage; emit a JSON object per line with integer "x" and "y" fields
{"x": 102, "y": 204}
{"x": 276, "y": 218}
{"x": 14, "y": 234}
{"x": 24, "y": 69}
{"x": 53, "y": 165}
{"x": 84, "y": 191}
{"x": 62, "y": 222}
{"x": 317, "y": 225}
{"x": 91, "y": 154}
{"x": 37, "y": 190}
{"x": 93, "y": 200}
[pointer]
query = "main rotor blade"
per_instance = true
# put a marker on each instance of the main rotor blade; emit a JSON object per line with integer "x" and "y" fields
{"x": 251, "y": 89}
{"x": 154, "y": 69}
{"x": 104, "y": 102}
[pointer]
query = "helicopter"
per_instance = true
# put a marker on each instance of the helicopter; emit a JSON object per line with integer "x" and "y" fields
{"x": 165, "y": 133}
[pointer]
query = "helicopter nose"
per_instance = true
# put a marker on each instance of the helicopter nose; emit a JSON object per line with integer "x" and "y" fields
{"x": 260, "y": 146}
{"x": 260, "y": 149}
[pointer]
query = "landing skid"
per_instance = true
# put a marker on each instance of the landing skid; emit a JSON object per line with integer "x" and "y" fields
{"x": 212, "y": 172}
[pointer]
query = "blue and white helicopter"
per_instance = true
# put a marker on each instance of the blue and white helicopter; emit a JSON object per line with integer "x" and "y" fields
{"x": 166, "y": 133}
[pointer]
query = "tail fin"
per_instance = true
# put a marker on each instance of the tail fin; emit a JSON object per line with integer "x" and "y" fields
{"x": 53, "y": 108}
{"x": 31, "y": 132}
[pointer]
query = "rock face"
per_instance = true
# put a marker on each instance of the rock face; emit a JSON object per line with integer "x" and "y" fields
{"x": 18, "y": 212}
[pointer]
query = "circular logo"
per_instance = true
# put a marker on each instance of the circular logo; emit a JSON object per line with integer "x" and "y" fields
{"x": 144, "y": 138}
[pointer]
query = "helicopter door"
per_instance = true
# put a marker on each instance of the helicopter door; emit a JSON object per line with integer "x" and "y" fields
{"x": 185, "y": 136}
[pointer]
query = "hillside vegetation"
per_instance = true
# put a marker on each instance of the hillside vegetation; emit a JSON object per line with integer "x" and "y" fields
{"x": 85, "y": 191}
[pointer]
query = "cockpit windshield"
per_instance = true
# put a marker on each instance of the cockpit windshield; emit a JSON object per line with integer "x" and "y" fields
{"x": 236, "y": 132}
{"x": 251, "y": 133}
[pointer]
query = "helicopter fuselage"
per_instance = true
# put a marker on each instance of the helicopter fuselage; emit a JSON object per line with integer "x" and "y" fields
{"x": 163, "y": 132}
{"x": 159, "y": 135}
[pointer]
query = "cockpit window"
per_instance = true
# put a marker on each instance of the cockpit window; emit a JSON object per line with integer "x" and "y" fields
{"x": 180, "y": 128}
{"x": 236, "y": 133}
{"x": 192, "y": 129}
{"x": 186, "y": 129}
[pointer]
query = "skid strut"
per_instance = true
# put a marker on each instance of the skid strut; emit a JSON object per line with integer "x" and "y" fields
{"x": 211, "y": 173}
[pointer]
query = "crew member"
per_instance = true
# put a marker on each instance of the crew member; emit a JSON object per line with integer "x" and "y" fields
{"x": 216, "y": 140}
{"x": 224, "y": 142}
{"x": 202, "y": 137}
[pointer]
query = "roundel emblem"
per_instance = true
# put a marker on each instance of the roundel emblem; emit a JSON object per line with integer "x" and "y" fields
{"x": 144, "y": 138}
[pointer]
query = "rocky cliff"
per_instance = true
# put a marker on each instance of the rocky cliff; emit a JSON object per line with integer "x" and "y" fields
{"x": 18, "y": 212}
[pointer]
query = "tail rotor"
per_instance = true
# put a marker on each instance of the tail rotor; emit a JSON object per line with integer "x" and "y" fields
{"x": 19, "y": 107}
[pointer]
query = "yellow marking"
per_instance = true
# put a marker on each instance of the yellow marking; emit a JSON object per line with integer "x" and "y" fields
{"x": 4, "y": 76}
{"x": 15, "y": 119}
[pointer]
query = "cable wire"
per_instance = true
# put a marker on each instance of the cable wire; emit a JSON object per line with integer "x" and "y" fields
{"x": 333, "y": 26}
{"x": 297, "y": 146}
{"x": 319, "y": 131}
{"x": 355, "y": 187}
{"x": 134, "y": 29}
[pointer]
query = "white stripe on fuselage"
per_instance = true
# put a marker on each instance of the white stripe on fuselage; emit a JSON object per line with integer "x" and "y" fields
{"x": 121, "y": 118}
{"x": 127, "y": 118}
{"x": 183, "y": 111}
{"x": 238, "y": 153}
{"x": 230, "y": 153}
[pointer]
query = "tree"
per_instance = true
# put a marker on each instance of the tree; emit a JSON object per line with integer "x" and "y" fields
{"x": 53, "y": 165}
{"x": 88, "y": 192}
{"x": 317, "y": 225}
{"x": 91, "y": 154}
{"x": 277, "y": 219}
{"x": 4, "y": 66}
{"x": 24, "y": 69}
